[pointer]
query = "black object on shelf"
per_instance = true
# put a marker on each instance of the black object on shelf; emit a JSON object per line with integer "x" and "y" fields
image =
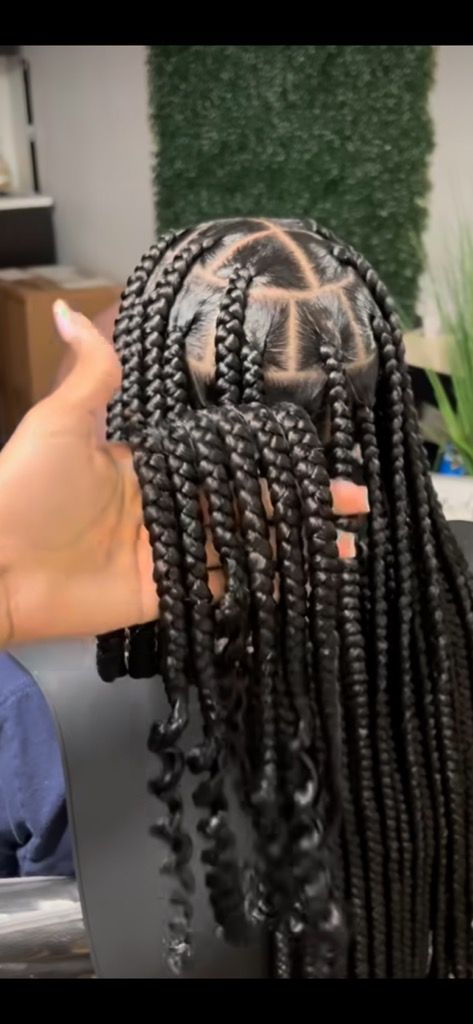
{"x": 26, "y": 231}
{"x": 29, "y": 114}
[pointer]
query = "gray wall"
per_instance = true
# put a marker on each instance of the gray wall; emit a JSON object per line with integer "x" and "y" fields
{"x": 94, "y": 150}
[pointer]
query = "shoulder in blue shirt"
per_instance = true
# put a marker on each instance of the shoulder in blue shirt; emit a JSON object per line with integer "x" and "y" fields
{"x": 34, "y": 833}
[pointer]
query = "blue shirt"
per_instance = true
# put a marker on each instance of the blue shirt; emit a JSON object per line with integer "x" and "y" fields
{"x": 34, "y": 833}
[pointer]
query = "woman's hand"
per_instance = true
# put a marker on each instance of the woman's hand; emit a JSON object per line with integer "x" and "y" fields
{"x": 74, "y": 554}
{"x": 75, "y": 557}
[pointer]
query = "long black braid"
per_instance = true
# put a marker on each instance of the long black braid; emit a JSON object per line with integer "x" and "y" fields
{"x": 301, "y": 717}
{"x": 112, "y": 648}
{"x": 240, "y": 446}
{"x": 208, "y": 465}
{"x": 142, "y": 357}
{"x": 230, "y": 339}
{"x": 226, "y": 893}
{"x": 160, "y": 520}
{"x": 390, "y": 787}
{"x": 453, "y": 928}
{"x": 355, "y": 695}
{"x": 335, "y": 695}
{"x": 311, "y": 478}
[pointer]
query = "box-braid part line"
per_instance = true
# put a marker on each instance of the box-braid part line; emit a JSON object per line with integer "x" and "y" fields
{"x": 274, "y": 351}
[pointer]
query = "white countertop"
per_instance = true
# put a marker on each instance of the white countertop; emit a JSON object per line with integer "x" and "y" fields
{"x": 24, "y": 202}
{"x": 456, "y": 496}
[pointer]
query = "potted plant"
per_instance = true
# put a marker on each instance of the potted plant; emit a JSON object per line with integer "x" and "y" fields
{"x": 455, "y": 307}
{"x": 452, "y": 427}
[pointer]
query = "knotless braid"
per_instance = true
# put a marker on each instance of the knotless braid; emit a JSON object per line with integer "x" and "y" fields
{"x": 452, "y": 922}
{"x": 113, "y": 648}
{"x": 230, "y": 338}
{"x": 335, "y": 696}
{"x": 390, "y": 785}
{"x": 160, "y": 520}
{"x": 355, "y": 693}
{"x": 320, "y": 533}
{"x": 302, "y": 717}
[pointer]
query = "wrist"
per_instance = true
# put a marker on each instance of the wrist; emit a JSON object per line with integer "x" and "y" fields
{"x": 26, "y": 608}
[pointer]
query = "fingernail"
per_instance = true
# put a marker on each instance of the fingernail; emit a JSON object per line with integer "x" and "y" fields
{"x": 63, "y": 316}
{"x": 346, "y": 544}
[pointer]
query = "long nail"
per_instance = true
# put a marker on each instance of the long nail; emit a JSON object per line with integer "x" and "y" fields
{"x": 64, "y": 318}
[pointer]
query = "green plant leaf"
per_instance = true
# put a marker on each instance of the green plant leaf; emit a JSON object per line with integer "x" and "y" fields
{"x": 451, "y": 420}
{"x": 454, "y": 298}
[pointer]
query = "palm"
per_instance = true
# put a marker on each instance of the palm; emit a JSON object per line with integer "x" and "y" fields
{"x": 64, "y": 486}
{"x": 71, "y": 507}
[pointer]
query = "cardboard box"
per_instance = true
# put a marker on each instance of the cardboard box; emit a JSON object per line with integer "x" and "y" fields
{"x": 30, "y": 349}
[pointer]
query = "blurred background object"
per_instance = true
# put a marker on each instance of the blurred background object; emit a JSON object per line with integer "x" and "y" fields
{"x": 30, "y": 348}
{"x": 42, "y": 932}
{"x": 454, "y": 296}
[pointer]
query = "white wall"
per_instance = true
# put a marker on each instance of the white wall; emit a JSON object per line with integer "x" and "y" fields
{"x": 452, "y": 163}
{"x": 451, "y": 173}
{"x": 94, "y": 152}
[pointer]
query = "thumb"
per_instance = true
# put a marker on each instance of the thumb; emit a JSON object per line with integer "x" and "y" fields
{"x": 96, "y": 372}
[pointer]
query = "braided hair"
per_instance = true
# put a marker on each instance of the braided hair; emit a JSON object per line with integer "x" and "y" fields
{"x": 335, "y": 695}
